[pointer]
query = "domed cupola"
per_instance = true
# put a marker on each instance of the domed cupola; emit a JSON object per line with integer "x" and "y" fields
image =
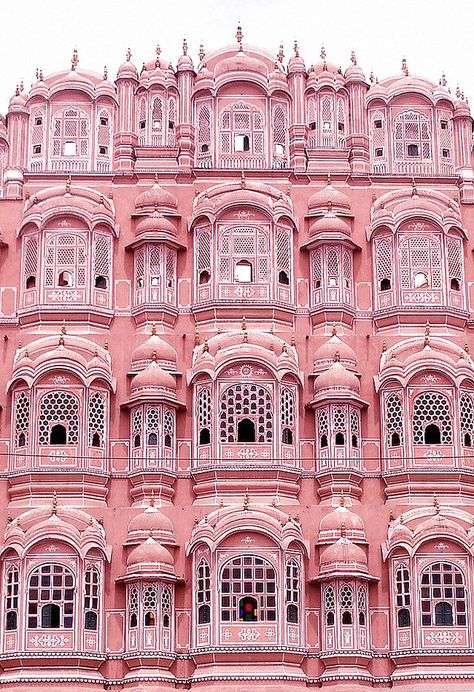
{"x": 329, "y": 198}
{"x": 332, "y": 525}
{"x": 156, "y": 227}
{"x": 154, "y": 347}
{"x": 336, "y": 382}
{"x": 354, "y": 73}
{"x": 151, "y": 522}
{"x": 296, "y": 62}
{"x": 343, "y": 558}
{"x": 330, "y": 227}
{"x": 156, "y": 198}
{"x": 150, "y": 558}
{"x": 325, "y": 355}
{"x": 152, "y": 381}
{"x": 127, "y": 69}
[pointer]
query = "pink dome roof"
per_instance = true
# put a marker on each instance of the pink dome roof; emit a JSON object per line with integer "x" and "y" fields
{"x": 326, "y": 353}
{"x": 156, "y": 223}
{"x": 154, "y": 345}
{"x": 329, "y": 197}
{"x": 329, "y": 224}
{"x": 153, "y": 377}
{"x": 241, "y": 62}
{"x": 337, "y": 378}
{"x": 127, "y": 69}
{"x": 342, "y": 517}
{"x": 151, "y": 520}
{"x": 343, "y": 556}
{"x": 150, "y": 552}
{"x": 155, "y": 197}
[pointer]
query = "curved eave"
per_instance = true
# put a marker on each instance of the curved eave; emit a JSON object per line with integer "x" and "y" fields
{"x": 322, "y": 238}
{"x": 344, "y": 396}
{"x": 148, "y": 576}
{"x": 149, "y": 397}
{"x": 347, "y": 574}
{"x": 150, "y": 237}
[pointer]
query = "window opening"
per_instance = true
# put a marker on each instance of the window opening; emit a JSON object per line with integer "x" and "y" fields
{"x": 243, "y": 272}
{"x": 443, "y": 596}
{"x": 248, "y": 583}
{"x": 51, "y": 597}
{"x": 245, "y": 430}
{"x": 58, "y": 435}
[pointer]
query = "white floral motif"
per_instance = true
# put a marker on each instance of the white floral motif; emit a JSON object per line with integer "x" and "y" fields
{"x": 441, "y": 546}
{"x": 249, "y": 634}
{"x": 444, "y": 637}
{"x": 433, "y": 454}
{"x": 430, "y": 379}
{"x": 51, "y": 640}
{"x": 203, "y": 636}
{"x": 247, "y": 454}
{"x": 270, "y": 634}
{"x": 226, "y": 634}
{"x": 244, "y": 292}
{"x": 243, "y": 214}
{"x": 52, "y": 548}
{"x": 60, "y": 379}
{"x": 247, "y": 540}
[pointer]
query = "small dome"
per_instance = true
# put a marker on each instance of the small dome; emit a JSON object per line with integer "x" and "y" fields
{"x": 127, "y": 69}
{"x": 325, "y": 355}
{"x": 150, "y": 553}
{"x": 344, "y": 557}
{"x": 153, "y": 347}
{"x": 337, "y": 378}
{"x": 241, "y": 62}
{"x": 153, "y": 377}
{"x": 354, "y": 72}
{"x": 185, "y": 62}
{"x": 342, "y": 517}
{"x": 156, "y": 197}
{"x": 152, "y": 520}
{"x": 156, "y": 223}
{"x": 329, "y": 224}
{"x": 329, "y": 197}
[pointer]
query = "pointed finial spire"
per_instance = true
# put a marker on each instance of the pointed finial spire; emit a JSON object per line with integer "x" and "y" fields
{"x": 337, "y": 357}
{"x": 323, "y": 53}
{"x": 128, "y": 54}
{"x": 405, "y": 67}
{"x": 293, "y": 339}
{"x": 242, "y": 181}
{"x": 334, "y": 330}
{"x": 281, "y": 53}
{"x": 10, "y": 518}
{"x": 436, "y": 506}
{"x": 443, "y": 80}
{"x": 244, "y": 324}
{"x": 466, "y": 347}
{"x": 158, "y": 53}
{"x": 68, "y": 185}
{"x": 185, "y": 46}
{"x": 391, "y": 517}
{"x": 61, "y": 339}
{"x": 197, "y": 338}
{"x": 154, "y": 357}
{"x": 239, "y": 36}
{"x": 427, "y": 335}
{"x": 153, "y": 329}
{"x": 384, "y": 346}
{"x": 63, "y": 328}
{"x": 106, "y": 345}
{"x": 152, "y": 498}
{"x": 205, "y": 348}
{"x": 54, "y": 504}
{"x": 75, "y": 59}
{"x": 106, "y": 73}
{"x": 371, "y": 77}
{"x": 342, "y": 500}
{"x": 458, "y": 92}
{"x": 246, "y": 499}
{"x": 201, "y": 52}
{"x": 296, "y": 49}
{"x": 343, "y": 530}
{"x": 353, "y": 58}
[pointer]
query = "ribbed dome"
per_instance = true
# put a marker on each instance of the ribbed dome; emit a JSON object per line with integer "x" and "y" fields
{"x": 337, "y": 378}
{"x": 156, "y": 197}
{"x": 153, "y": 377}
{"x": 153, "y": 347}
{"x": 326, "y": 353}
{"x": 344, "y": 557}
{"x": 241, "y": 62}
{"x": 156, "y": 223}
{"x": 127, "y": 69}
{"x": 339, "y": 518}
{"x": 150, "y": 553}
{"x": 151, "y": 520}
{"x": 329, "y": 224}
{"x": 329, "y": 197}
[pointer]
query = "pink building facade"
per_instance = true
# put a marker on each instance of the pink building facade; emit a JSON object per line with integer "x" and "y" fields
{"x": 237, "y": 413}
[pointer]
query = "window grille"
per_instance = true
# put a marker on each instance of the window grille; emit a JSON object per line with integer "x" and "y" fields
{"x": 204, "y": 406}
{"x": 71, "y": 133}
{"x": 283, "y": 255}
{"x": 420, "y": 263}
{"x": 170, "y": 272}
{"x": 248, "y": 576}
{"x": 140, "y": 268}
{"x": 59, "y": 408}
{"x": 171, "y": 121}
{"x": 51, "y": 597}
{"x": 150, "y": 605}
{"x": 443, "y": 596}
{"x": 455, "y": 272}
{"x": 394, "y": 420}
{"x": 292, "y": 591}
{"x": 12, "y": 594}
{"x": 384, "y": 261}
{"x": 362, "y": 605}
{"x": 246, "y": 401}
{"x": 137, "y": 422}
{"x": 317, "y": 269}
{"x": 403, "y": 597}
{"x": 65, "y": 261}
{"x": 166, "y": 607}
{"x": 241, "y": 130}
{"x": 346, "y": 598}
{"x": 37, "y": 133}
{"x": 378, "y": 135}
{"x": 203, "y": 593}
{"x": 341, "y": 122}
{"x": 355, "y": 427}
{"x": 30, "y": 261}
{"x": 431, "y": 408}
{"x": 412, "y": 136}
{"x": 133, "y": 606}
{"x": 466, "y": 409}
{"x": 168, "y": 425}
{"x": 157, "y": 120}
{"x": 97, "y": 409}
{"x": 244, "y": 243}
{"x": 326, "y": 124}
{"x": 102, "y": 257}
{"x": 323, "y": 428}
{"x": 204, "y": 130}
{"x": 329, "y": 601}
{"x": 446, "y": 142}
{"x": 22, "y": 418}
{"x": 91, "y": 598}
{"x": 287, "y": 407}
{"x": 3, "y": 160}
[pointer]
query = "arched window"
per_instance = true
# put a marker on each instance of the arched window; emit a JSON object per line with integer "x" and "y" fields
{"x": 323, "y": 428}
{"x": 432, "y": 419}
{"x": 443, "y": 596}
{"x": 204, "y": 415}
{"x": 203, "y": 593}
{"x": 245, "y": 430}
{"x": 393, "y": 420}
{"x": 97, "y": 408}
{"x": 248, "y": 583}
{"x": 166, "y": 606}
{"x": 65, "y": 261}
{"x": 71, "y": 135}
{"x": 133, "y": 604}
{"x": 58, "y": 419}
{"x": 153, "y": 425}
{"x": 339, "y": 422}
{"x": 150, "y": 605}
{"x": 91, "y": 598}
{"x": 11, "y": 599}
{"x": 244, "y": 256}
{"x": 287, "y": 414}
{"x": 279, "y": 137}
{"x": 168, "y": 428}
{"x": 346, "y": 604}
{"x": 403, "y": 596}
{"x": 248, "y": 402}
{"x": 466, "y": 417}
{"x": 204, "y": 136}
{"x": 50, "y": 602}
{"x": 22, "y": 418}
{"x": 362, "y": 605}
{"x": 384, "y": 263}
{"x": 329, "y": 605}
{"x": 241, "y": 132}
{"x": 292, "y": 591}
{"x": 243, "y": 272}
{"x": 420, "y": 260}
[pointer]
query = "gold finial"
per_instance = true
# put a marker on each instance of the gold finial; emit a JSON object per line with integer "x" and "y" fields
{"x": 371, "y": 77}
{"x": 436, "y": 506}
{"x": 128, "y": 54}
{"x": 242, "y": 181}
{"x": 158, "y": 53}
{"x": 75, "y": 59}
{"x": 63, "y": 327}
{"x": 185, "y": 47}
{"x": 343, "y": 530}
{"x": 353, "y": 58}
{"x": 323, "y": 53}
{"x": 296, "y": 49}
{"x": 281, "y": 53}
{"x": 427, "y": 329}
{"x": 244, "y": 324}
{"x": 201, "y": 52}
{"x": 154, "y": 357}
{"x": 274, "y": 504}
{"x": 246, "y": 499}
{"x": 153, "y": 329}
{"x": 152, "y": 498}
{"x": 143, "y": 68}
{"x": 197, "y": 338}
{"x": 239, "y": 36}
{"x": 384, "y": 346}
{"x": 414, "y": 190}
{"x": 106, "y": 73}
{"x": 458, "y": 92}
{"x": 196, "y": 521}
{"x": 342, "y": 500}
{"x": 54, "y": 504}
{"x": 337, "y": 357}
{"x": 401, "y": 519}
{"x": 443, "y": 80}
{"x": 205, "y": 348}
{"x": 405, "y": 67}
{"x": 68, "y": 185}
{"x": 10, "y": 518}
{"x": 293, "y": 339}
{"x": 334, "y": 330}
{"x": 61, "y": 339}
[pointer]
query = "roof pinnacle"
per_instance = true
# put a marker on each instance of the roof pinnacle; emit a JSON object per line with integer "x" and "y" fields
{"x": 239, "y": 36}
{"x": 75, "y": 59}
{"x": 353, "y": 58}
{"x": 405, "y": 67}
{"x": 323, "y": 53}
{"x": 185, "y": 46}
{"x": 128, "y": 55}
{"x": 281, "y": 54}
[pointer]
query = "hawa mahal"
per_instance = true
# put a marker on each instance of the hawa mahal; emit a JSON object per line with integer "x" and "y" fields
{"x": 237, "y": 402}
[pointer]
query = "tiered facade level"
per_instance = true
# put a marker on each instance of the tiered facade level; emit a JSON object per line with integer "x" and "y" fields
{"x": 237, "y": 305}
